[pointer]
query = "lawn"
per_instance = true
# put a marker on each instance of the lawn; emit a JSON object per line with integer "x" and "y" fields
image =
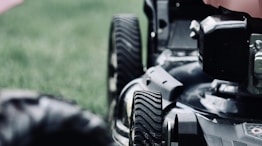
{"x": 60, "y": 46}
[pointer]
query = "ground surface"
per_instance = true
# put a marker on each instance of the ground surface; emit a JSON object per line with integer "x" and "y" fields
{"x": 60, "y": 47}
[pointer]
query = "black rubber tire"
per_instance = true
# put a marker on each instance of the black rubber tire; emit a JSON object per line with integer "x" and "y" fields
{"x": 146, "y": 119}
{"x": 125, "y": 54}
{"x": 32, "y": 119}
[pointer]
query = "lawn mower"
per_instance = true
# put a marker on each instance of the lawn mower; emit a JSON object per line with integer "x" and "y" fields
{"x": 201, "y": 84}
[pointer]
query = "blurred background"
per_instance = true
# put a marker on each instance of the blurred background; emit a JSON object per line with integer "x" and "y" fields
{"x": 59, "y": 47}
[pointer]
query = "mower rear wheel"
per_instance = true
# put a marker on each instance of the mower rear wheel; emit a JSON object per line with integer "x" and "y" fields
{"x": 124, "y": 56}
{"x": 125, "y": 53}
{"x": 146, "y": 119}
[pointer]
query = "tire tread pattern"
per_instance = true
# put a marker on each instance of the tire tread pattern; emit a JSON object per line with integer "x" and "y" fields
{"x": 128, "y": 48}
{"x": 148, "y": 121}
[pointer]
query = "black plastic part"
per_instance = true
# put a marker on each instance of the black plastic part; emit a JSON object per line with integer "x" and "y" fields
{"x": 163, "y": 23}
{"x": 190, "y": 9}
{"x": 255, "y": 25}
{"x": 150, "y": 11}
{"x": 224, "y": 48}
{"x": 189, "y": 132}
{"x": 185, "y": 129}
{"x": 190, "y": 74}
{"x": 179, "y": 37}
{"x": 156, "y": 78}
{"x": 221, "y": 132}
{"x": 202, "y": 98}
{"x": 147, "y": 120}
{"x": 163, "y": 17}
{"x": 181, "y": 13}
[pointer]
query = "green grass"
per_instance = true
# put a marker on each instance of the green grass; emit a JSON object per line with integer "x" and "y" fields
{"x": 60, "y": 47}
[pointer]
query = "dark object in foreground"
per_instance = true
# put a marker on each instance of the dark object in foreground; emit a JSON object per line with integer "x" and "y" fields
{"x": 31, "y": 119}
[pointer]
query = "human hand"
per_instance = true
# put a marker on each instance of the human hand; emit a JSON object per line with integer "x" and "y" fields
{"x": 8, "y": 4}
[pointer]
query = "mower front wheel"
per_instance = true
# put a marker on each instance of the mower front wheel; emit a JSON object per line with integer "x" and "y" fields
{"x": 146, "y": 119}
